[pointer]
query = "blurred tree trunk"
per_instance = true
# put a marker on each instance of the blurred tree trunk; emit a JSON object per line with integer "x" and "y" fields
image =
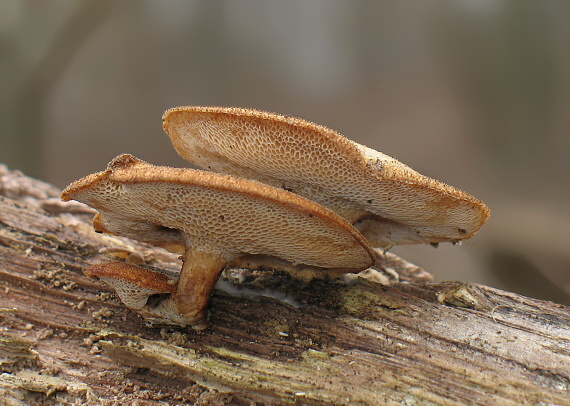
{"x": 64, "y": 338}
{"x": 34, "y": 66}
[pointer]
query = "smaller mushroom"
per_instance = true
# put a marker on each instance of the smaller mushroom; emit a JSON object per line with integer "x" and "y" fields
{"x": 136, "y": 286}
{"x": 212, "y": 220}
{"x": 387, "y": 201}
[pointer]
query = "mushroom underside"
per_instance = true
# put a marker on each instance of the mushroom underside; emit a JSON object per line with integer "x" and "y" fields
{"x": 384, "y": 233}
{"x": 324, "y": 166}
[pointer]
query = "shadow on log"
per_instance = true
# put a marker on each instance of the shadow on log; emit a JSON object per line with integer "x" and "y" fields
{"x": 65, "y": 338}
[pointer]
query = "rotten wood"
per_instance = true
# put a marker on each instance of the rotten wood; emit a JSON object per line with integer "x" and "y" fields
{"x": 65, "y": 338}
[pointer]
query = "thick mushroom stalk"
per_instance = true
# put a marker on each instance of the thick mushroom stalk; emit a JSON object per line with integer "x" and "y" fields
{"x": 200, "y": 271}
{"x": 211, "y": 219}
{"x": 390, "y": 203}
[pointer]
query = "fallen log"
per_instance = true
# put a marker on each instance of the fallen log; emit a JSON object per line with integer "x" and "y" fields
{"x": 66, "y": 338}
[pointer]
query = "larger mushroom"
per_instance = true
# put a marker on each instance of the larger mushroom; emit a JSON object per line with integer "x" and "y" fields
{"x": 211, "y": 219}
{"x": 386, "y": 200}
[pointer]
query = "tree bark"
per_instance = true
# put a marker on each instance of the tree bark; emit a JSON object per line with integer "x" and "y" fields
{"x": 65, "y": 338}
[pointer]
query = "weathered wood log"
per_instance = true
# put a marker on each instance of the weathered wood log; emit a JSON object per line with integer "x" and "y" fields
{"x": 65, "y": 338}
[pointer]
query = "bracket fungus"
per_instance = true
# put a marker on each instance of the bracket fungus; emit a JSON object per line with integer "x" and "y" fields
{"x": 388, "y": 202}
{"x": 211, "y": 220}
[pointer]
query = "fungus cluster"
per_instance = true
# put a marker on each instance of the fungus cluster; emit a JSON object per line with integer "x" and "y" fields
{"x": 279, "y": 191}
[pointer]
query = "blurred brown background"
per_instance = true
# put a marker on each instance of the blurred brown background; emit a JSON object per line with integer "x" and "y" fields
{"x": 475, "y": 93}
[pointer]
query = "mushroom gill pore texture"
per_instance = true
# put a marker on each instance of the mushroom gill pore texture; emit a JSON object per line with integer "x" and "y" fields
{"x": 386, "y": 200}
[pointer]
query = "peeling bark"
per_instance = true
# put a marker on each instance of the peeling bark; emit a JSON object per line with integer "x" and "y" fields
{"x": 65, "y": 338}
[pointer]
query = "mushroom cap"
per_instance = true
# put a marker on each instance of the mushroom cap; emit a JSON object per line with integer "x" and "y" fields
{"x": 217, "y": 213}
{"x": 153, "y": 281}
{"x": 133, "y": 283}
{"x": 316, "y": 162}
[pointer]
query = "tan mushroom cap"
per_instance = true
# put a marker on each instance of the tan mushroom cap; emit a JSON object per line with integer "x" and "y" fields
{"x": 153, "y": 281}
{"x": 388, "y": 201}
{"x": 135, "y": 285}
{"x": 219, "y": 213}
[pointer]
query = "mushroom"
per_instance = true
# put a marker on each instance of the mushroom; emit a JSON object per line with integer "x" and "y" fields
{"x": 388, "y": 202}
{"x": 212, "y": 219}
{"x": 137, "y": 286}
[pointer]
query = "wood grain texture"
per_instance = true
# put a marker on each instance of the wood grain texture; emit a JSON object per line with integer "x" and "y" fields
{"x": 65, "y": 338}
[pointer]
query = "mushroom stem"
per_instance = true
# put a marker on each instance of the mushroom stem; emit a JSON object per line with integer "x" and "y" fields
{"x": 200, "y": 272}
